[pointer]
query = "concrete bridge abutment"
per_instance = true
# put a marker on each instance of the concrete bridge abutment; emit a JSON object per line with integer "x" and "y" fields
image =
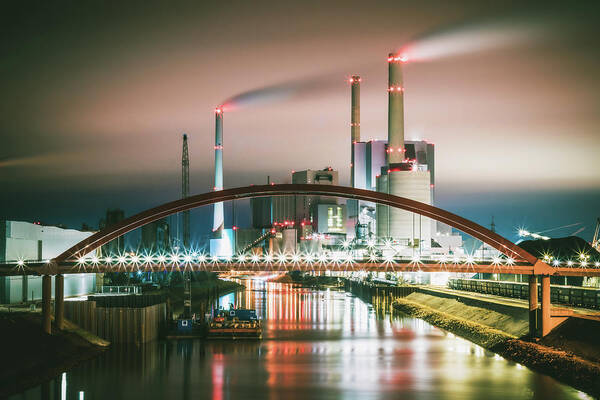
{"x": 533, "y": 306}
{"x": 46, "y": 304}
{"x": 59, "y": 302}
{"x": 542, "y": 318}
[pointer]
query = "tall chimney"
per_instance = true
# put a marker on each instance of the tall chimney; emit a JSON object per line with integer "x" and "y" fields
{"x": 219, "y": 216}
{"x": 354, "y": 121}
{"x": 395, "y": 150}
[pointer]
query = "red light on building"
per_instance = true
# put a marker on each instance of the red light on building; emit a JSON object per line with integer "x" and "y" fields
{"x": 273, "y": 231}
{"x": 235, "y": 228}
{"x": 218, "y": 110}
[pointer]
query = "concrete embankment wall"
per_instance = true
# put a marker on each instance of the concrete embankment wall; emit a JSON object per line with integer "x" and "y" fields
{"x": 512, "y": 319}
{"x": 119, "y": 324}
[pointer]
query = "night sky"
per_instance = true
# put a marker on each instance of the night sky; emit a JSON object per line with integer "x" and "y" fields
{"x": 95, "y": 98}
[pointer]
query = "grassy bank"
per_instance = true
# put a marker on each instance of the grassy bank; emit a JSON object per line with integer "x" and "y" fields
{"x": 30, "y": 357}
{"x": 564, "y": 366}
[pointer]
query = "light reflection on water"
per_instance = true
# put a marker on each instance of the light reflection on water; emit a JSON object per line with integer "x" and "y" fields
{"x": 317, "y": 344}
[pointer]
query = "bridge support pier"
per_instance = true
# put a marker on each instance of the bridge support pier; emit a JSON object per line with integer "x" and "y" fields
{"x": 46, "y": 298}
{"x": 59, "y": 301}
{"x": 546, "y": 306}
{"x": 533, "y": 306}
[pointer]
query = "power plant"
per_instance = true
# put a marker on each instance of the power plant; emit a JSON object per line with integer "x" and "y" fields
{"x": 394, "y": 166}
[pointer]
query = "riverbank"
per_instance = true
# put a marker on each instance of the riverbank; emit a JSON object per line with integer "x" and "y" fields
{"x": 565, "y": 366}
{"x": 30, "y": 357}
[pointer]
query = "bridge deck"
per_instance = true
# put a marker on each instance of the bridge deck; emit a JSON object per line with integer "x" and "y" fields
{"x": 40, "y": 268}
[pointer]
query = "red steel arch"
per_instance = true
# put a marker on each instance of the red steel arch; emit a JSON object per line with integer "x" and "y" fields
{"x": 469, "y": 227}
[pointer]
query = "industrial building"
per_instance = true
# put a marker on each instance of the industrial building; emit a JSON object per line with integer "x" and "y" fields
{"x": 261, "y": 212}
{"x": 32, "y": 241}
{"x": 117, "y": 245}
{"x": 155, "y": 236}
{"x": 299, "y": 209}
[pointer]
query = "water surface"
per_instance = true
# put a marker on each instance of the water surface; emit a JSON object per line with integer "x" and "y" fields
{"x": 317, "y": 344}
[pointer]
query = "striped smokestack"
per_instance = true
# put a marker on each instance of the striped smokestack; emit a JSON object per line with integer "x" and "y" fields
{"x": 355, "y": 110}
{"x": 354, "y": 121}
{"x": 219, "y": 216}
{"x": 395, "y": 150}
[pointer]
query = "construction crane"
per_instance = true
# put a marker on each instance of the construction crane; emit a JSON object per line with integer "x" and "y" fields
{"x": 596, "y": 239}
{"x": 185, "y": 191}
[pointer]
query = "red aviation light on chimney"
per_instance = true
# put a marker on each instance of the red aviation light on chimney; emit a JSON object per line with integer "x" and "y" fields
{"x": 395, "y": 89}
{"x": 391, "y": 150}
{"x": 218, "y": 110}
{"x": 398, "y": 58}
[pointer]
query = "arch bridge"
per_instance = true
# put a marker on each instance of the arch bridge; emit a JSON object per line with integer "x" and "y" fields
{"x": 515, "y": 261}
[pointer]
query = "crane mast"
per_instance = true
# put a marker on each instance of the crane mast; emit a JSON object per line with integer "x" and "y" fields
{"x": 185, "y": 191}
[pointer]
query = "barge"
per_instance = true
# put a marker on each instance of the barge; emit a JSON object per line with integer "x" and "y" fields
{"x": 235, "y": 323}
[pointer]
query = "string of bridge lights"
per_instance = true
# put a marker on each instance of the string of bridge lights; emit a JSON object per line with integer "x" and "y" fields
{"x": 279, "y": 258}
{"x": 283, "y": 258}
{"x": 165, "y": 259}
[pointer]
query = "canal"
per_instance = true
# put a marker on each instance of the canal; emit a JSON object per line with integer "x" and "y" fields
{"x": 317, "y": 344}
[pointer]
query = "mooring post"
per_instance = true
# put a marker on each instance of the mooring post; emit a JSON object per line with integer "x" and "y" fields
{"x": 46, "y": 297}
{"x": 59, "y": 301}
{"x": 546, "y": 305}
{"x": 533, "y": 306}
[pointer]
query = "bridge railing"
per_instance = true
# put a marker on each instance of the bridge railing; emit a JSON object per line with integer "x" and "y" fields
{"x": 132, "y": 289}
